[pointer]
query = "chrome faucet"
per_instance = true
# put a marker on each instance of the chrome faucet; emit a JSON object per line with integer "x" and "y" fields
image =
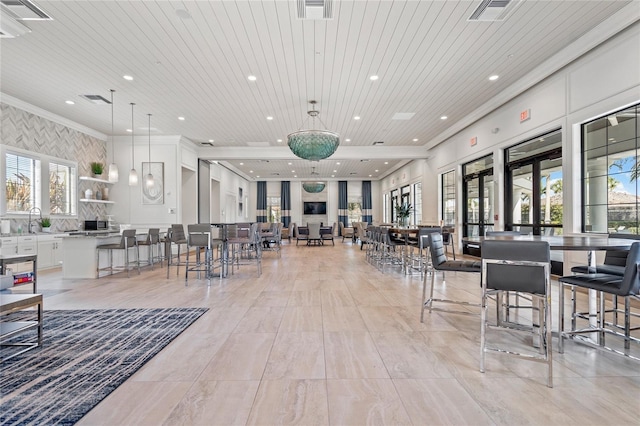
{"x": 31, "y": 231}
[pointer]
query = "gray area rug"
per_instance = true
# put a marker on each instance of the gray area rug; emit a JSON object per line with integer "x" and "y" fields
{"x": 86, "y": 354}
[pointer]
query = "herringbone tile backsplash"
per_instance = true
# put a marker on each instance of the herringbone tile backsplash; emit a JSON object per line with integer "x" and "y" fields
{"x": 24, "y": 130}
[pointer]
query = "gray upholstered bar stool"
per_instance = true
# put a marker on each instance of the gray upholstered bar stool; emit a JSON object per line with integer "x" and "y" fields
{"x": 523, "y": 267}
{"x": 154, "y": 247}
{"x": 175, "y": 236}
{"x": 439, "y": 262}
{"x": 127, "y": 242}
{"x": 626, "y": 286}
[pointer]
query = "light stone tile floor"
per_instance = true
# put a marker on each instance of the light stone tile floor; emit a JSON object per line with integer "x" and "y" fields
{"x": 323, "y": 337}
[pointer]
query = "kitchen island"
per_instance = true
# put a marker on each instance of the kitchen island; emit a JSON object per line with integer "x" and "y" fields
{"x": 79, "y": 256}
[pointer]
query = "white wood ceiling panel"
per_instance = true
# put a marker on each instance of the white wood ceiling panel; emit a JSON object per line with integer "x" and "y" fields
{"x": 430, "y": 60}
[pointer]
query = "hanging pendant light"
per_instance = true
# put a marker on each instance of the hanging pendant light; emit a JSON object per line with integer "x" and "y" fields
{"x": 313, "y": 145}
{"x": 133, "y": 175}
{"x": 148, "y": 180}
{"x": 113, "y": 167}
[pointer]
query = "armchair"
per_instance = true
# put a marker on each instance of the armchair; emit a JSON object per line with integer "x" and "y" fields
{"x": 346, "y": 232}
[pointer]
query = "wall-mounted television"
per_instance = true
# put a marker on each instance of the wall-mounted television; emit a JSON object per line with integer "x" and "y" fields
{"x": 315, "y": 207}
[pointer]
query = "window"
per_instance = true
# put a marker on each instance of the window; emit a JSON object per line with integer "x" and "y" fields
{"x": 477, "y": 197}
{"x": 417, "y": 203}
{"x": 395, "y": 200}
{"x": 273, "y": 209}
{"x": 355, "y": 210}
{"x": 610, "y": 170}
{"x": 22, "y": 183}
{"x": 62, "y": 192}
{"x": 449, "y": 198}
{"x": 35, "y": 180}
{"x": 385, "y": 207}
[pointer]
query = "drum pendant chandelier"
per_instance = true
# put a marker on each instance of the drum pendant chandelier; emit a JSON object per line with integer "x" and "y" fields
{"x": 313, "y": 145}
{"x": 313, "y": 187}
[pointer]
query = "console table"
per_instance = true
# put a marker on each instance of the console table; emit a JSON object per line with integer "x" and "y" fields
{"x": 10, "y": 303}
{"x": 21, "y": 258}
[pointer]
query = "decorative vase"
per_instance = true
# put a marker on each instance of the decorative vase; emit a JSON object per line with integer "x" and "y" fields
{"x": 105, "y": 194}
{"x": 88, "y": 194}
{"x": 98, "y": 195}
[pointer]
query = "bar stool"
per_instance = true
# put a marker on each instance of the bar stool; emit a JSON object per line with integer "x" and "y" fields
{"x": 199, "y": 237}
{"x": 127, "y": 241}
{"x": 152, "y": 241}
{"x": 175, "y": 235}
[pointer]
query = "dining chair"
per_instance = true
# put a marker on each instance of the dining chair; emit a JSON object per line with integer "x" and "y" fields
{"x": 314, "y": 236}
{"x": 345, "y": 231}
{"x": 523, "y": 267}
{"x": 626, "y": 286}
{"x": 439, "y": 262}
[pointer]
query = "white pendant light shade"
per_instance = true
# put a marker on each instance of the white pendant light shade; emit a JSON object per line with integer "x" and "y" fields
{"x": 113, "y": 167}
{"x": 113, "y": 173}
{"x": 133, "y": 175}
{"x": 148, "y": 179}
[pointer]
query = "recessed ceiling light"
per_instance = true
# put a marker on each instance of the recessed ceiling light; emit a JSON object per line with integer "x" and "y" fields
{"x": 242, "y": 164}
{"x": 257, "y": 176}
{"x": 377, "y": 170}
{"x": 181, "y": 118}
{"x": 386, "y": 162}
{"x": 269, "y": 118}
{"x": 69, "y": 102}
{"x": 127, "y": 77}
{"x": 333, "y": 175}
{"x": 279, "y": 140}
{"x": 357, "y": 117}
{"x": 250, "y": 171}
{"x": 415, "y": 139}
{"x": 335, "y": 171}
{"x": 296, "y": 176}
{"x": 494, "y": 77}
{"x": 211, "y": 140}
{"x": 290, "y": 163}
{"x": 252, "y": 78}
{"x": 338, "y": 163}
{"x": 293, "y": 171}
{"x": 373, "y": 78}
{"x": 370, "y": 175}
{"x": 347, "y": 140}
{"x": 444, "y": 117}
{"x": 129, "y": 130}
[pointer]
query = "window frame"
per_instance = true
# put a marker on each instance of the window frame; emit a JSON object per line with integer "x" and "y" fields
{"x": 42, "y": 190}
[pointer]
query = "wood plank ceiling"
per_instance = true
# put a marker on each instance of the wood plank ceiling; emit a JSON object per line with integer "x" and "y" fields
{"x": 192, "y": 59}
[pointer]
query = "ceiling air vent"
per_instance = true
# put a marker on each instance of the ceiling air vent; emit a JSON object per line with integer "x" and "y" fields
{"x": 493, "y": 10}
{"x": 364, "y": 160}
{"x": 206, "y": 144}
{"x": 96, "y": 99}
{"x": 378, "y": 143}
{"x": 315, "y": 9}
{"x": 25, "y": 10}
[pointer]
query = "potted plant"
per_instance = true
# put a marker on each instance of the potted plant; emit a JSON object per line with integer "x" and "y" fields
{"x": 96, "y": 168}
{"x": 45, "y": 223}
{"x": 403, "y": 211}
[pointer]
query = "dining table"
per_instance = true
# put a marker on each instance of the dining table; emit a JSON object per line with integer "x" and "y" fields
{"x": 587, "y": 243}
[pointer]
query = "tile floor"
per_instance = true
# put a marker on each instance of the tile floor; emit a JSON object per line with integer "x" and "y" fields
{"x": 323, "y": 337}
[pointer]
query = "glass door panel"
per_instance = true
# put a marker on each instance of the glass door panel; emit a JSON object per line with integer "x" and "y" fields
{"x": 521, "y": 195}
{"x": 487, "y": 206}
{"x": 551, "y": 196}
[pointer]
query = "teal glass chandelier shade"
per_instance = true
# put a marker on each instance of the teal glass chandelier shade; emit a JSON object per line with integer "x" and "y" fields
{"x": 313, "y": 145}
{"x": 313, "y": 187}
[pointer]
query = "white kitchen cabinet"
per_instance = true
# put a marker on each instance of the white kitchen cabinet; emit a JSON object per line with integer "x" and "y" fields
{"x": 49, "y": 251}
{"x": 8, "y": 245}
{"x": 24, "y": 244}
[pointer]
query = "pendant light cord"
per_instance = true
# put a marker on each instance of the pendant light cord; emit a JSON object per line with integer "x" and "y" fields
{"x": 149, "y": 143}
{"x": 113, "y": 153}
{"x": 133, "y": 161}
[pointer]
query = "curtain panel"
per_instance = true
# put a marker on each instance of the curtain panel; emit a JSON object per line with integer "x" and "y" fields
{"x": 343, "y": 203}
{"x": 261, "y": 202}
{"x": 367, "y": 204}
{"x": 285, "y": 202}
